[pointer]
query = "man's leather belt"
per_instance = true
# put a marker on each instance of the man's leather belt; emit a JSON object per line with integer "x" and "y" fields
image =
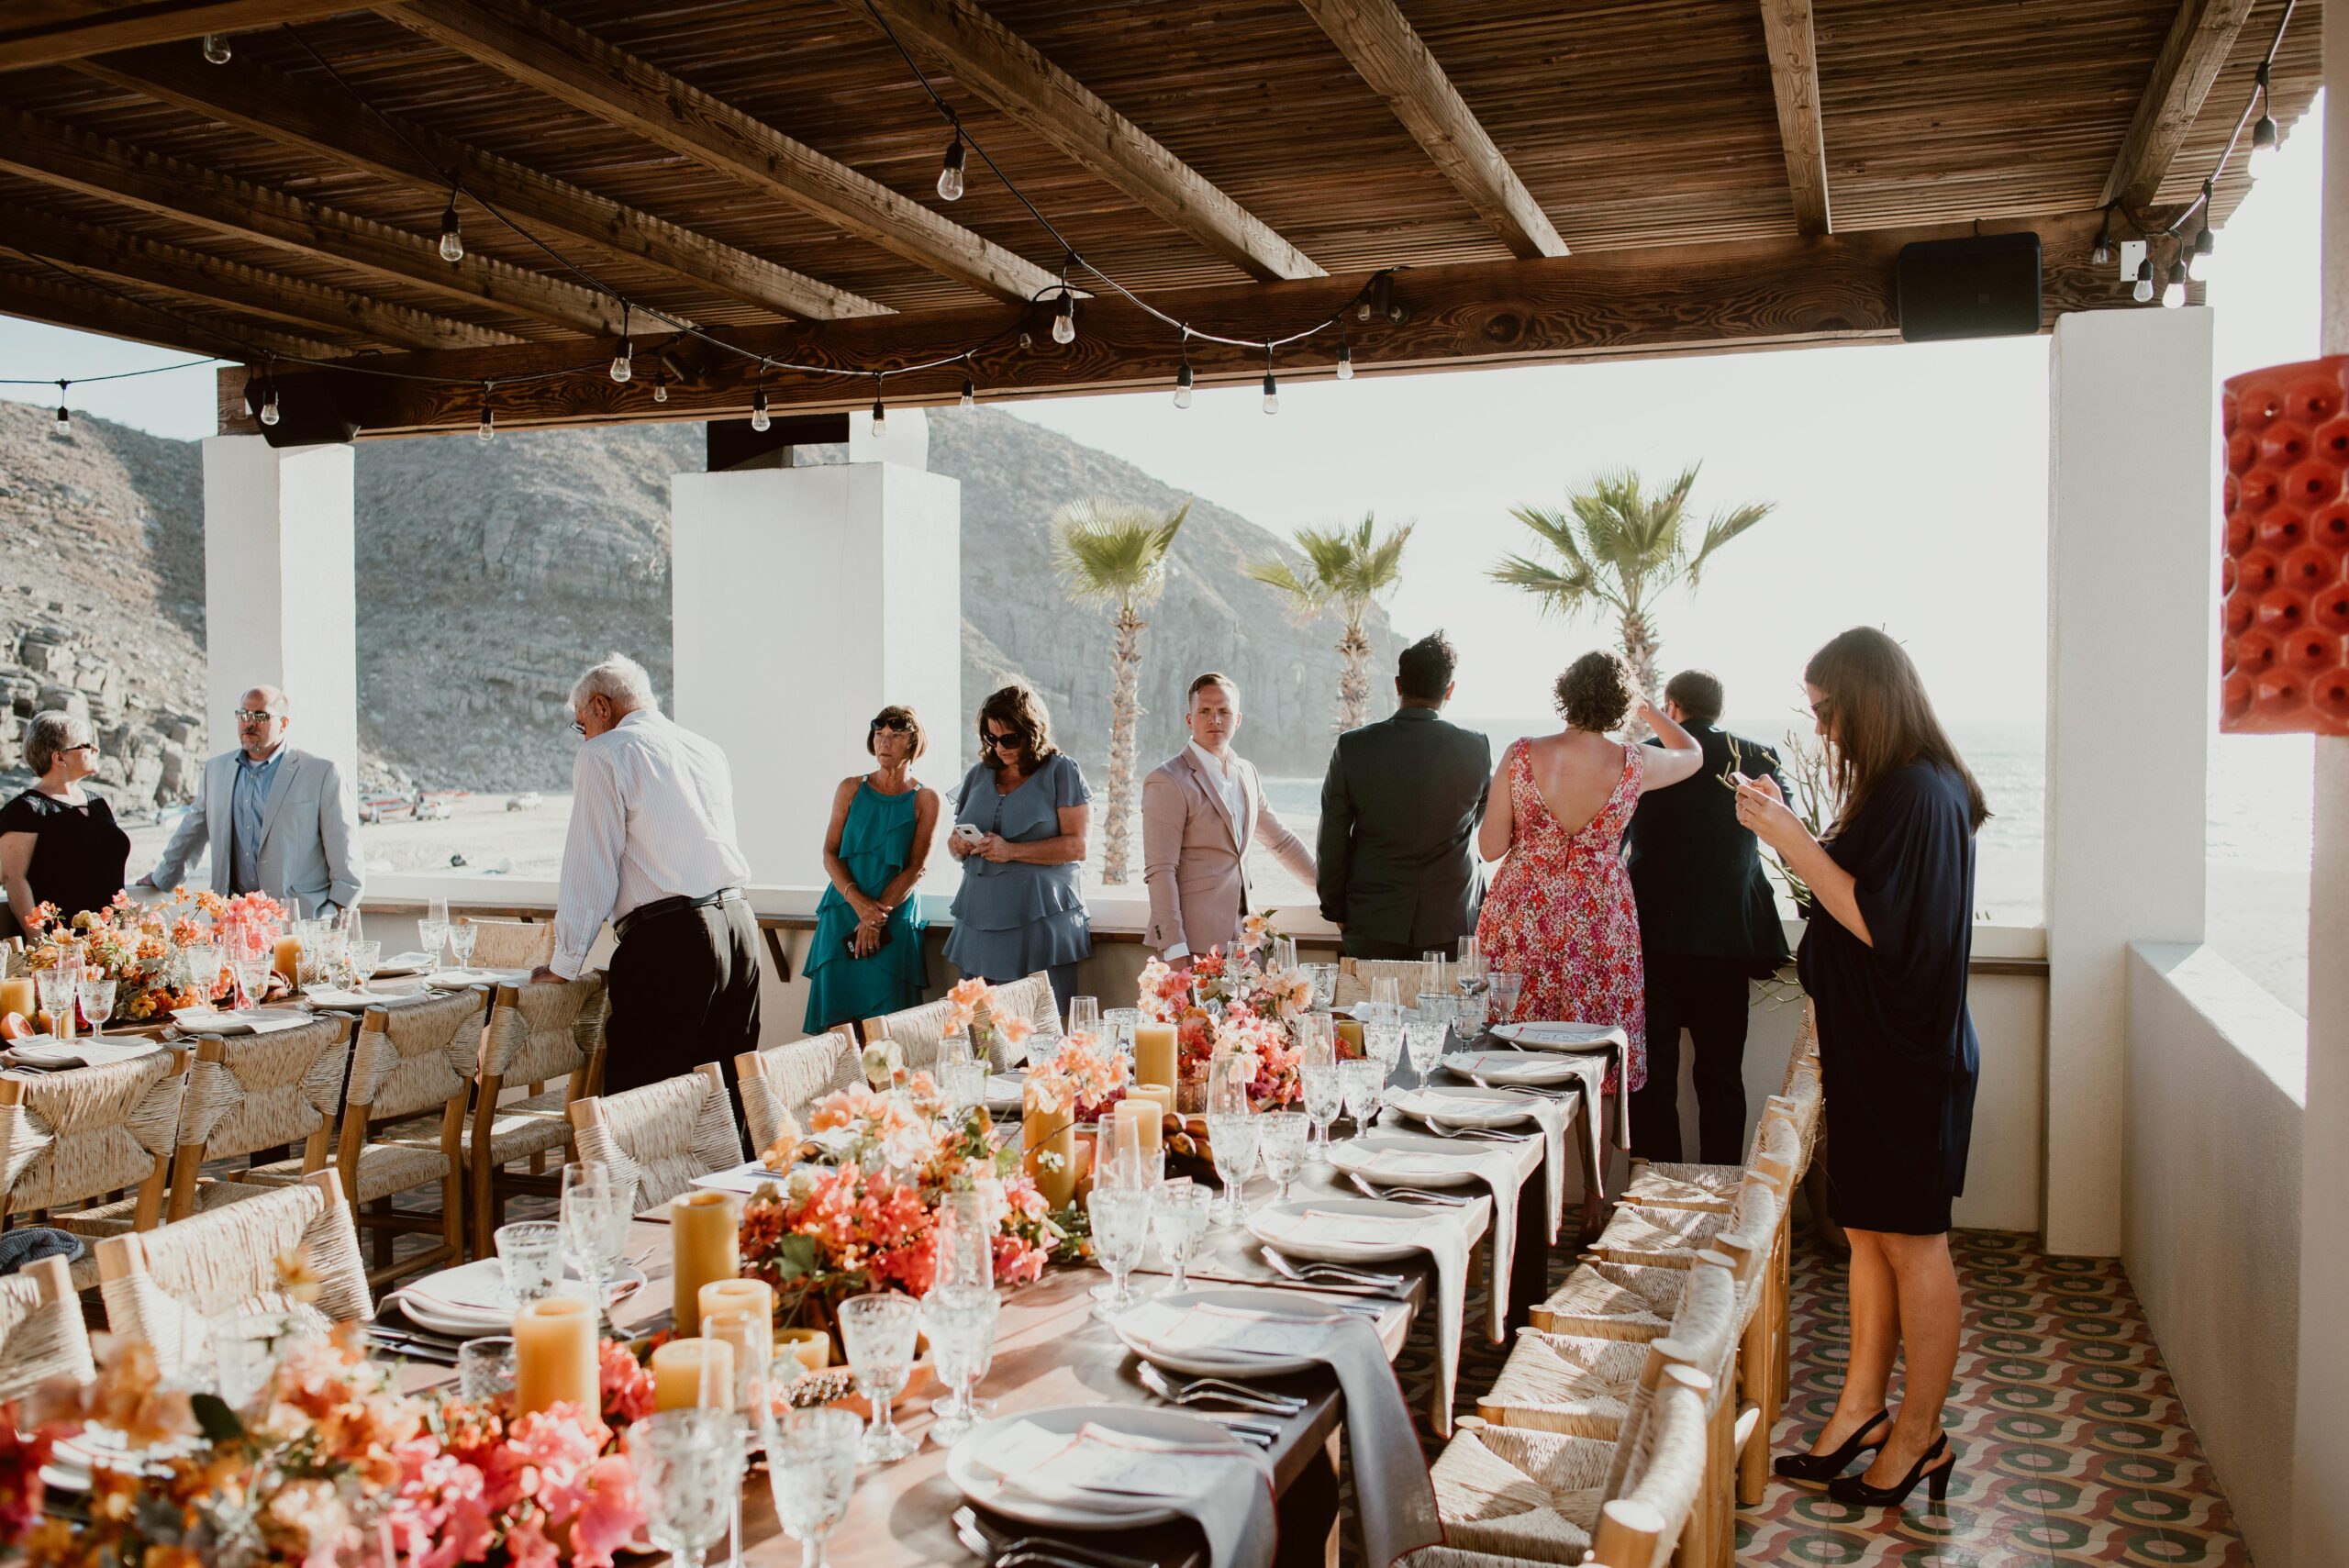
{"x": 645, "y": 914}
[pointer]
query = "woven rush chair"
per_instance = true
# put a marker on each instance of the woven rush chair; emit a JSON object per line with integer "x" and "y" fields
{"x": 41, "y": 1332}
{"x": 1598, "y": 1387}
{"x": 1354, "y": 975}
{"x": 780, "y": 1081}
{"x": 510, "y": 944}
{"x": 547, "y": 1032}
{"x": 1507, "y": 1496}
{"x": 659, "y": 1138}
{"x": 164, "y": 1286}
{"x": 70, "y": 1140}
{"x": 1669, "y": 1236}
{"x": 1031, "y": 999}
{"x": 1683, "y": 1184}
{"x": 918, "y": 1032}
{"x": 250, "y": 1093}
{"x": 409, "y": 1060}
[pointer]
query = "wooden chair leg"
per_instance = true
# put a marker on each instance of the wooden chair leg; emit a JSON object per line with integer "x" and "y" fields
{"x": 1753, "y": 1458}
{"x": 1628, "y": 1533}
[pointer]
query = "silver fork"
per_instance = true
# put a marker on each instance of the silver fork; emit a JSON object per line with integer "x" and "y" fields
{"x": 994, "y": 1544}
{"x": 1423, "y": 1195}
{"x": 1200, "y": 1390}
{"x": 1314, "y": 1273}
{"x": 1477, "y": 1134}
{"x": 1524, "y": 1089}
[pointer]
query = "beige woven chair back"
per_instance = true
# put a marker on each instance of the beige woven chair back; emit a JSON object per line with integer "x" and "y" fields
{"x": 1705, "y": 1328}
{"x": 415, "y": 1057}
{"x": 785, "y": 1079}
{"x": 1031, "y": 999}
{"x": 916, "y": 1031}
{"x": 252, "y": 1092}
{"x": 67, "y": 1137}
{"x": 1354, "y": 975}
{"x": 162, "y": 1288}
{"x": 660, "y": 1137}
{"x": 1762, "y": 1192}
{"x": 41, "y": 1332}
{"x": 511, "y": 944}
{"x": 1640, "y": 1528}
{"x": 1805, "y": 1053}
{"x": 545, "y": 1032}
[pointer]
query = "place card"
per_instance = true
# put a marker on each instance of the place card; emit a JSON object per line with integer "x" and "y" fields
{"x": 1364, "y": 1229}
{"x": 1227, "y": 1331}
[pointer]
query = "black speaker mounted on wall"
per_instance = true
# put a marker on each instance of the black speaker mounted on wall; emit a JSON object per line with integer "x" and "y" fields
{"x": 1985, "y": 286}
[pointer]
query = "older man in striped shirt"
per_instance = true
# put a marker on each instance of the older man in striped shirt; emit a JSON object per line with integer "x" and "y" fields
{"x": 652, "y": 848}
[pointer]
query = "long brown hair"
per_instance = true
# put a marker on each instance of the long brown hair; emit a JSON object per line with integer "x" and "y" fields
{"x": 1881, "y": 720}
{"x": 1019, "y": 710}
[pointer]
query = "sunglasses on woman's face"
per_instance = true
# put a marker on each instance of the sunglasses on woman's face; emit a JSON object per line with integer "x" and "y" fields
{"x": 1006, "y": 741}
{"x": 895, "y": 726}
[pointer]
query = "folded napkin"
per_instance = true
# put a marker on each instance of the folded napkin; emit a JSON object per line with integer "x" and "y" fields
{"x": 472, "y": 1291}
{"x": 337, "y": 1000}
{"x": 248, "y": 1020}
{"x": 1101, "y": 1470}
{"x": 406, "y": 963}
{"x": 1391, "y": 1490}
{"x": 1594, "y": 1071}
{"x": 48, "y": 1054}
{"x": 1401, "y": 1156}
{"x": 458, "y": 979}
{"x": 1441, "y": 1234}
{"x": 745, "y": 1178}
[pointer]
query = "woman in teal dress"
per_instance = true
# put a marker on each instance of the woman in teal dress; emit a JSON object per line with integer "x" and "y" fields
{"x": 865, "y": 959}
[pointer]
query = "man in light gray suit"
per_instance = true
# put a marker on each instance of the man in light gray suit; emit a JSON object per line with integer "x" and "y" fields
{"x": 277, "y": 821}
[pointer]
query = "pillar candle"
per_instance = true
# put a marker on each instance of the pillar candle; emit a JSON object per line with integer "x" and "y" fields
{"x": 754, "y": 1296}
{"x": 1145, "y": 1117}
{"x": 1154, "y": 1053}
{"x": 1349, "y": 1046}
{"x": 18, "y": 996}
{"x": 1050, "y": 1132}
{"x": 704, "y": 1245}
{"x": 554, "y": 1355}
{"x": 289, "y": 960}
{"x": 1159, "y": 1095}
{"x": 811, "y": 1348}
{"x": 681, "y": 1367}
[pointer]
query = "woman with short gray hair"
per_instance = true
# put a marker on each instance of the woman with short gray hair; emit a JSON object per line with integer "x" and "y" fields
{"x": 58, "y": 843}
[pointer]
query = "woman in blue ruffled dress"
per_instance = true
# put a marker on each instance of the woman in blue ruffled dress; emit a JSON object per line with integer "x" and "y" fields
{"x": 1020, "y": 831}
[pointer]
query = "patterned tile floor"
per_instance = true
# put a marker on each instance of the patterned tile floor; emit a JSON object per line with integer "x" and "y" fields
{"x": 2072, "y": 1445}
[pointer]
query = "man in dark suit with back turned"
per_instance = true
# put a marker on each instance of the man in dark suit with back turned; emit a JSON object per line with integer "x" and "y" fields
{"x": 1399, "y": 819}
{"x": 1707, "y": 926}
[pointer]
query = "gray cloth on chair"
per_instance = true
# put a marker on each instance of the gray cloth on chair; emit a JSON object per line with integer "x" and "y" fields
{"x": 34, "y": 1242}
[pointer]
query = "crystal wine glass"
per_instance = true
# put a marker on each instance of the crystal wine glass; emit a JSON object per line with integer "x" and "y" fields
{"x": 588, "y": 1200}
{"x": 529, "y": 1256}
{"x": 1120, "y": 1218}
{"x": 1179, "y": 1212}
{"x": 97, "y": 1002}
{"x": 1325, "y": 984}
{"x": 1387, "y": 994}
{"x": 365, "y": 959}
{"x": 485, "y": 1368}
{"x": 878, "y": 1333}
{"x": 1280, "y": 1143}
{"x": 744, "y": 1391}
{"x": 687, "y": 1463}
{"x": 965, "y": 1242}
{"x": 1325, "y": 1092}
{"x": 57, "y": 988}
{"x": 960, "y": 1321}
{"x": 1504, "y": 986}
{"x": 432, "y": 935}
{"x": 1365, "y": 1081}
{"x": 1084, "y": 1015}
{"x": 1231, "y": 1133}
{"x": 811, "y": 1468}
{"x": 463, "y": 939}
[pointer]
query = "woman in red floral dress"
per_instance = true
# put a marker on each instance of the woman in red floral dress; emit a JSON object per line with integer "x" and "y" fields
{"x": 1560, "y": 913}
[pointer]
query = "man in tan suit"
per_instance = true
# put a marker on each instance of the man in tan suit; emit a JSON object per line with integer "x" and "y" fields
{"x": 1200, "y": 812}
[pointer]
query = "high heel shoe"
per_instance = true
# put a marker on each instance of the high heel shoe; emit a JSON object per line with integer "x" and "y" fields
{"x": 1827, "y": 1466}
{"x": 1855, "y": 1488}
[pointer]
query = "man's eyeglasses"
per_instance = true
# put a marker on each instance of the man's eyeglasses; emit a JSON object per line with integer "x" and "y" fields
{"x": 578, "y": 728}
{"x": 254, "y": 715}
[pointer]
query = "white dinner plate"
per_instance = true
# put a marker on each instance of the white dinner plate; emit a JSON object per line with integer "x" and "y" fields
{"x": 73, "y": 1458}
{"x": 742, "y": 1179}
{"x": 1539, "y": 1069}
{"x": 401, "y": 964}
{"x": 966, "y": 1466}
{"x": 464, "y": 1322}
{"x": 1462, "y": 1105}
{"x": 1296, "y": 1244}
{"x": 1198, "y": 1363}
{"x": 1006, "y": 1091}
{"x": 1574, "y": 1038}
{"x": 1354, "y": 1157}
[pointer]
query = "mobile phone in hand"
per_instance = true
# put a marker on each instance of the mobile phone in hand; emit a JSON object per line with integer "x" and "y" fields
{"x": 968, "y": 832}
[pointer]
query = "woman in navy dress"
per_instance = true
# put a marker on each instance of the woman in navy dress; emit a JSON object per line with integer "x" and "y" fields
{"x": 1884, "y": 960}
{"x": 1025, "y": 806}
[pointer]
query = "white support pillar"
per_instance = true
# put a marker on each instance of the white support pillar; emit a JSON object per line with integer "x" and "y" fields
{"x": 2321, "y": 1435}
{"x": 806, "y": 599}
{"x": 2132, "y": 591}
{"x": 280, "y": 604}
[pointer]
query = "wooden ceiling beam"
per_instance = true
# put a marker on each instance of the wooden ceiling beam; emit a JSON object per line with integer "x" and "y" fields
{"x": 59, "y": 303}
{"x": 76, "y": 160}
{"x": 1679, "y": 300}
{"x": 232, "y": 286}
{"x": 1794, "y": 83}
{"x": 1002, "y": 67}
{"x": 1385, "y": 50}
{"x": 330, "y": 126}
{"x": 536, "y": 46}
{"x": 80, "y": 28}
{"x": 2200, "y": 37}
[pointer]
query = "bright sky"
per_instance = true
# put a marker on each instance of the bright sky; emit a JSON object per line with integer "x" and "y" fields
{"x": 1911, "y": 481}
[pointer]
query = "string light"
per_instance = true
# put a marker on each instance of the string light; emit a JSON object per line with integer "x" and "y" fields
{"x": 1064, "y": 319}
{"x": 2144, "y": 293}
{"x": 880, "y": 410}
{"x": 2103, "y": 254}
{"x": 1183, "y": 376}
{"x": 2174, "y": 286}
{"x": 2205, "y": 241}
{"x": 216, "y": 48}
{"x": 659, "y": 384}
{"x": 64, "y": 418}
{"x": 760, "y": 419}
{"x": 950, "y": 176}
{"x": 269, "y": 415}
{"x": 453, "y": 238}
{"x": 624, "y": 362}
{"x": 2264, "y": 142}
{"x": 1272, "y": 387}
{"x": 1345, "y": 360}
{"x": 970, "y": 399}
{"x": 489, "y": 428}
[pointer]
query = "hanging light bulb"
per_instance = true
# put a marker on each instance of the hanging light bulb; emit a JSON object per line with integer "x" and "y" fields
{"x": 453, "y": 239}
{"x": 488, "y": 430}
{"x": 1272, "y": 392}
{"x": 660, "y": 387}
{"x": 1345, "y": 361}
{"x": 216, "y": 48}
{"x": 2144, "y": 293}
{"x": 65, "y": 416}
{"x": 1182, "y": 385}
{"x": 623, "y": 365}
{"x": 950, "y": 176}
{"x": 880, "y": 416}
{"x": 759, "y": 416}
{"x": 970, "y": 399}
{"x": 2265, "y": 141}
{"x": 1064, "y": 319}
{"x": 2174, "y": 285}
{"x": 2103, "y": 254}
{"x": 269, "y": 405}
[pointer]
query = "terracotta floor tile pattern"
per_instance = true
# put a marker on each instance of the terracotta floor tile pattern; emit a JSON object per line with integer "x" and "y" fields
{"x": 2072, "y": 1445}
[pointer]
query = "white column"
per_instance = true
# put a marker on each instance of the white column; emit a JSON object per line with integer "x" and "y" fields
{"x": 2132, "y": 591}
{"x": 280, "y": 608}
{"x": 807, "y": 599}
{"x": 2321, "y": 1447}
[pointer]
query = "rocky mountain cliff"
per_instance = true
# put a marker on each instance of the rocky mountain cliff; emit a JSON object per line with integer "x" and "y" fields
{"x": 489, "y": 575}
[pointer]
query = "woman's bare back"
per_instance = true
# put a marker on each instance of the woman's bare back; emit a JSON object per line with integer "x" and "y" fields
{"x": 1576, "y": 774}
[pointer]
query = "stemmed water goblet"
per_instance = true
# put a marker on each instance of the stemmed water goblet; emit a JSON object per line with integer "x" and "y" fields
{"x": 1365, "y": 1081}
{"x": 96, "y": 998}
{"x": 1179, "y": 1212}
{"x": 589, "y": 1199}
{"x": 1120, "y": 1022}
{"x": 1085, "y": 1016}
{"x": 58, "y": 987}
{"x": 743, "y": 1392}
{"x": 365, "y": 959}
{"x": 687, "y": 1463}
{"x": 1325, "y": 984}
{"x": 463, "y": 939}
{"x": 1385, "y": 994}
{"x": 1503, "y": 986}
{"x": 1120, "y": 1218}
{"x": 878, "y": 1333}
{"x": 1324, "y": 1093}
{"x": 965, "y": 1242}
{"x": 1231, "y": 1130}
{"x": 811, "y": 1470}
{"x": 960, "y": 1322}
{"x": 1280, "y": 1142}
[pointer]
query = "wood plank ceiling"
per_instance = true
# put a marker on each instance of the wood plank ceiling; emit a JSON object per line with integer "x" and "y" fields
{"x": 765, "y": 170}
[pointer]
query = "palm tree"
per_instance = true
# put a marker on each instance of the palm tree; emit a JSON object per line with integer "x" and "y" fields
{"x": 1116, "y": 554}
{"x": 1352, "y": 569}
{"x": 1618, "y": 547}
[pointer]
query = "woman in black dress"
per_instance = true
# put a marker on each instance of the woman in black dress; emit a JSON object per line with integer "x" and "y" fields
{"x": 58, "y": 843}
{"x": 1884, "y": 960}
